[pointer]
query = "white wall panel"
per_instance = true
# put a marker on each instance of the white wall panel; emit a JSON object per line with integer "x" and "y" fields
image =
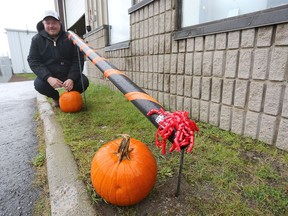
{"x": 5, "y": 69}
{"x": 19, "y": 45}
{"x": 74, "y": 10}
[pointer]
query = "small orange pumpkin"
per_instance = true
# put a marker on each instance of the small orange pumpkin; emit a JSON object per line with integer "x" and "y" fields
{"x": 123, "y": 171}
{"x": 70, "y": 101}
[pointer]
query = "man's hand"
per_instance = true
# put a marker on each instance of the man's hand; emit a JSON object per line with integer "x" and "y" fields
{"x": 55, "y": 83}
{"x": 68, "y": 84}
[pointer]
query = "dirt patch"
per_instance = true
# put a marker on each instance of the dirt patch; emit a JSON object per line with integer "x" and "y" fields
{"x": 166, "y": 203}
{"x": 252, "y": 156}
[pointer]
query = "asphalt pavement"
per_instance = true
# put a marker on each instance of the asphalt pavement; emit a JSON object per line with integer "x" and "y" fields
{"x": 18, "y": 146}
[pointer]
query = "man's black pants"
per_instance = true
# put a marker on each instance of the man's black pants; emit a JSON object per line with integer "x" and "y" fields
{"x": 43, "y": 87}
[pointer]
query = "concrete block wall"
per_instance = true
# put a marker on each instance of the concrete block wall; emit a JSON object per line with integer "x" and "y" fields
{"x": 234, "y": 80}
{"x": 98, "y": 40}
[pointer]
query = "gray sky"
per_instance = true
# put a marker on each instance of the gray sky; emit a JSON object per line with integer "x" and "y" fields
{"x": 22, "y": 15}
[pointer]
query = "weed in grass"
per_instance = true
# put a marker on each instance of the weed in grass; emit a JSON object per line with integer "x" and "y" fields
{"x": 165, "y": 172}
{"x": 267, "y": 172}
{"x": 39, "y": 160}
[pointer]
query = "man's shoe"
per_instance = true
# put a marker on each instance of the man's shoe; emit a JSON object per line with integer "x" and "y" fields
{"x": 56, "y": 103}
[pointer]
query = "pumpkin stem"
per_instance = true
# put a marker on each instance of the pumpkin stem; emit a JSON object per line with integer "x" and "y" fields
{"x": 123, "y": 150}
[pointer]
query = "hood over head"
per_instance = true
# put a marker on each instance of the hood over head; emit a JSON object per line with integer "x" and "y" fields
{"x": 48, "y": 13}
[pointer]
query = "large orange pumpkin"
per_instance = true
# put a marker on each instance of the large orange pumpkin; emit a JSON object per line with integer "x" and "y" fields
{"x": 123, "y": 171}
{"x": 70, "y": 101}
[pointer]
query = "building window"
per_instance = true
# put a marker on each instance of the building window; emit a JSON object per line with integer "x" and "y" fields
{"x": 119, "y": 20}
{"x": 202, "y": 17}
{"x": 136, "y": 1}
{"x": 201, "y": 11}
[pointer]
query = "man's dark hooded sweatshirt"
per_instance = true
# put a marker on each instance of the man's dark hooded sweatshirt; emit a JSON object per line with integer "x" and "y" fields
{"x": 54, "y": 57}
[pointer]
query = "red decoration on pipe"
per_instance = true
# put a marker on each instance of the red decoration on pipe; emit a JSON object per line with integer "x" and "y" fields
{"x": 177, "y": 121}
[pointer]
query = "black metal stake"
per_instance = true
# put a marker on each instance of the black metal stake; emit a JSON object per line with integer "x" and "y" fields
{"x": 180, "y": 172}
{"x": 82, "y": 82}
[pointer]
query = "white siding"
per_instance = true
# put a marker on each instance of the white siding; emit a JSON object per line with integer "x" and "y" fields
{"x": 5, "y": 69}
{"x": 74, "y": 10}
{"x": 19, "y": 44}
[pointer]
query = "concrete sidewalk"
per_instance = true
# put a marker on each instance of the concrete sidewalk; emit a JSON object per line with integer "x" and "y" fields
{"x": 68, "y": 195}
